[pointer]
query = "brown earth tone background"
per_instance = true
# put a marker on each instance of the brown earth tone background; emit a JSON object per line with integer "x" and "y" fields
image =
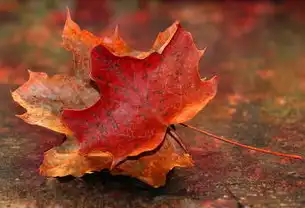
{"x": 257, "y": 48}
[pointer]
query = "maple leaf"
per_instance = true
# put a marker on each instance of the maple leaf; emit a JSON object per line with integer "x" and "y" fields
{"x": 81, "y": 42}
{"x": 141, "y": 95}
{"x": 124, "y": 126}
{"x": 66, "y": 159}
{"x": 44, "y": 99}
{"x": 151, "y": 168}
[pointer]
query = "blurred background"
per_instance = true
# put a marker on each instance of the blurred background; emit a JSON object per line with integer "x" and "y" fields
{"x": 254, "y": 46}
{"x": 257, "y": 48}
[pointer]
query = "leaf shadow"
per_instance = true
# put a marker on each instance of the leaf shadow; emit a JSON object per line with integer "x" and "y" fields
{"x": 107, "y": 182}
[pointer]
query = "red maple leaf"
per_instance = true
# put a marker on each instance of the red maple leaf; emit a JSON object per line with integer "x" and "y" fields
{"x": 141, "y": 95}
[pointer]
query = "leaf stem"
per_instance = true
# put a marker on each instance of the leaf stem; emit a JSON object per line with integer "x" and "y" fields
{"x": 243, "y": 145}
{"x": 171, "y": 131}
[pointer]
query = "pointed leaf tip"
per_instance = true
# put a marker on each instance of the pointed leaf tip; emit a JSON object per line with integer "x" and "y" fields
{"x": 202, "y": 52}
{"x": 177, "y": 22}
{"x": 116, "y": 32}
{"x": 69, "y": 24}
{"x": 68, "y": 16}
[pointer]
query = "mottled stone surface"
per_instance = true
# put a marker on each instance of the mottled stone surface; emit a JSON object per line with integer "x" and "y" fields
{"x": 257, "y": 50}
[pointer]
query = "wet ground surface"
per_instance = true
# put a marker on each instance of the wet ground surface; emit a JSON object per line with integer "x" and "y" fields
{"x": 256, "y": 49}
